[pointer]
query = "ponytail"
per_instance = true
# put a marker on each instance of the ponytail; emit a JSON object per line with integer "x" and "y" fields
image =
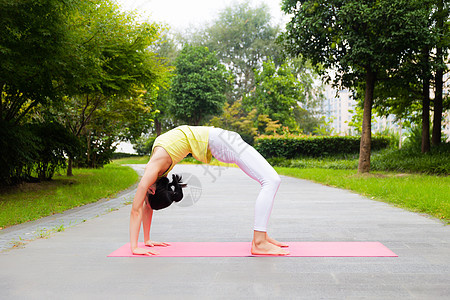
{"x": 164, "y": 194}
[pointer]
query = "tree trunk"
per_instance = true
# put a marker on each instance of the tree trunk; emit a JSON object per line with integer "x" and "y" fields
{"x": 366, "y": 134}
{"x": 437, "y": 117}
{"x": 158, "y": 127}
{"x": 426, "y": 105}
{"x": 88, "y": 152}
{"x": 69, "y": 167}
{"x": 426, "y": 117}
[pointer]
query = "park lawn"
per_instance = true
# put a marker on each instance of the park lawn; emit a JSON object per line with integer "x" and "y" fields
{"x": 187, "y": 160}
{"x": 32, "y": 201}
{"x": 135, "y": 160}
{"x": 419, "y": 193}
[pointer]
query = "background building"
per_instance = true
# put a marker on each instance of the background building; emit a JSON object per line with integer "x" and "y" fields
{"x": 339, "y": 108}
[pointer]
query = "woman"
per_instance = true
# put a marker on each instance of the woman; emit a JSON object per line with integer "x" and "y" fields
{"x": 203, "y": 143}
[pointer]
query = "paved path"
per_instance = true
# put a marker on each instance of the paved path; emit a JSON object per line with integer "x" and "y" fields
{"x": 73, "y": 264}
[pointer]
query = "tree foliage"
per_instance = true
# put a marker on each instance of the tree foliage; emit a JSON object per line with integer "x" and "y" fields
{"x": 276, "y": 94}
{"x": 84, "y": 64}
{"x": 243, "y": 38}
{"x": 283, "y": 93}
{"x": 405, "y": 94}
{"x": 199, "y": 85}
{"x": 247, "y": 124}
{"x": 167, "y": 49}
{"x": 32, "y": 40}
{"x": 112, "y": 79}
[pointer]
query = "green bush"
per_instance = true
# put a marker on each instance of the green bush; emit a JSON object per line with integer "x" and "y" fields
{"x": 98, "y": 149}
{"x": 55, "y": 142}
{"x": 314, "y": 146}
{"x": 18, "y": 152}
{"x": 37, "y": 149}
{"x": 411, "y": 160}
{"x": 118, "y": 155}
{"x": 143, "y": 145}
{"x": 336, "y": 162}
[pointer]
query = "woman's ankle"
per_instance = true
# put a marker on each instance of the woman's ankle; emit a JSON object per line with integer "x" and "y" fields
{"x": 259, "y": 237}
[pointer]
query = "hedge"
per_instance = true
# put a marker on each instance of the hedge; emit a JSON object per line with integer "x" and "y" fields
{"x": 118, "y": 155}
{"x": 313, "y": 146}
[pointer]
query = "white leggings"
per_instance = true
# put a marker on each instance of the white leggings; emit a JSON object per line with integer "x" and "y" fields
{"x": 229, "y": 147}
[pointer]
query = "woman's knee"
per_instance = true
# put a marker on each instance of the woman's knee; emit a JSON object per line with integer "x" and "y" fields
{"x": 272, "y": 180}
{"x": 277, "y": 179}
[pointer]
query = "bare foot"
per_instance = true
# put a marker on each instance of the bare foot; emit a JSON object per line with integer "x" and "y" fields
{"x": 276, "y": 243}
{"x": 267, "y": 248}
{"x": 153, "y": 243}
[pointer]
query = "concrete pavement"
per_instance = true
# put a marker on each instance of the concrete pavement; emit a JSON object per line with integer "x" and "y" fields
{"x": 73, "y": 264}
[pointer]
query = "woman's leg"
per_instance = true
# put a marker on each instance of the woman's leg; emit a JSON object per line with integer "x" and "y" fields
{"x": 228, "y": 147}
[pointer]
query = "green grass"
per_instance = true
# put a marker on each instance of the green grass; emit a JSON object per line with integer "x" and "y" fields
{"x": 32, "y": 201}
{"x": 131, "y": 160}
{"x": 420, "y": 193}
{"x": 406, "y": 160}
{"x": 187, "y": 160}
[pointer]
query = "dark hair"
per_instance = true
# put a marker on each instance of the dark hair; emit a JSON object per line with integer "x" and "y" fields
{"x": 164, "y": 194}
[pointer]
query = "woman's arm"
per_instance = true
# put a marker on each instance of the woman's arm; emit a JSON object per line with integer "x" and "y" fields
{"x": 158, "y": 164}
{"x": 146, "y": 224}
{"x": 150, "y": 176}
{"x": 147, "y": 221}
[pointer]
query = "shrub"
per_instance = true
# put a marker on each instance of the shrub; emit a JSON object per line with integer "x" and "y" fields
{"x": 98, "y": 149}
{"x": 55, "y": 142}
{"x": 143, "y": 145}
{"x": 118, "y": 155}
{"x": 313, "y": 146}
{"x": 18, "y": 151}
{"x": 340, "y": 162}
{"x": 411, "y": 159}
{"x": 37, "y": 148}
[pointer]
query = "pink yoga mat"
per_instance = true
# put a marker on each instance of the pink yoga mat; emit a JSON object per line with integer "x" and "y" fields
{"x": 239, "y": 249}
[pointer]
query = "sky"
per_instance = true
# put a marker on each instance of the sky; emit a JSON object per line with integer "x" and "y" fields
{"x": 179, "y": 14}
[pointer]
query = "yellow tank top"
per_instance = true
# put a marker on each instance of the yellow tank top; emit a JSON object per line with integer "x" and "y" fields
{"x": 183, "y": 140}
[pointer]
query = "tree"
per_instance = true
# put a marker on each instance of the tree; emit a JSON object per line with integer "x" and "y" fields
{"x": 406, "y": 94}
{"x": 199, "y": 86}
{"x": 345, "y": 35}
{"x": 247, "y": 124}
{"x": 166, "y": 49}
{"x": 55, "y": 143}
{"x": 443, "y": 44}
{"x": 287, "y": 93}
{"x": 109, "y": 65}
{"x": 33, "y": 34}
{"x": 243, "y": 38}
{"x": 426, "y": 77}
{"x": 401, "y": 95}
{"x": 277, "y": 94}
{"x": 33, "y": 40}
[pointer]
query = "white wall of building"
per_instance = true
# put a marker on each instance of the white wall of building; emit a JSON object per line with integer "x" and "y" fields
{"x": 336, "y": 109}
{"x": 337, "y": 106}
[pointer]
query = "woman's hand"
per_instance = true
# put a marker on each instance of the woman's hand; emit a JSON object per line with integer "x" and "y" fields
{"x": 153, "y": 243}
{"x": 141, "y": 251}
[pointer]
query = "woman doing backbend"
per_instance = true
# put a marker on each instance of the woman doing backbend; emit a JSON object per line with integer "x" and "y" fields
{"x": 155, "y": 192}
